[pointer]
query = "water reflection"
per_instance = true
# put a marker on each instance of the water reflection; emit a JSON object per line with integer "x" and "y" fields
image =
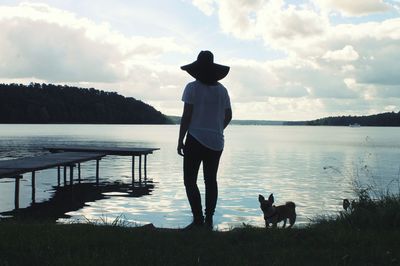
{"x": 65, "y": 199}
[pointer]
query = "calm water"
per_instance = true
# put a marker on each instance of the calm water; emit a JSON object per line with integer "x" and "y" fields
{"x": 312, "y": 166}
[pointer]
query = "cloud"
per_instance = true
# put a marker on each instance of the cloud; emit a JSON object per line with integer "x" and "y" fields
{"x": 273, "y": 19}
{"x": 376, "y": 44}
{"x": 353, "y": 8}
{"x": 279, "y": 25}
{"x": 51, "y": 52}
{"x": 47, "y": 43}
{"x": 310, "y": 38}
{"x": 286, "y": 78}
{"x": 238, "y": 16}
{"x": 380, "y": 67}
{"x": 325, "y": 63}
{"x": 346, "y": 54}
{"x": 206, "y": 6}
{"x": 255, "y": 81}
{"x": 323, "y": 67}
{"x": 281, "y": 108}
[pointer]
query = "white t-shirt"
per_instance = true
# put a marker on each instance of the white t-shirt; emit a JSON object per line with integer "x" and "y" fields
{"x": 209, "y": 104}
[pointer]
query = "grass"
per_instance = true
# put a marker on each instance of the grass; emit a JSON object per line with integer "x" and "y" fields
{"x": 367, "y": 234}
{"x": 325, "y": 244}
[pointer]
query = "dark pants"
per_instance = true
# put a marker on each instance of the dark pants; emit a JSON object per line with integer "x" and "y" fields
{"x": 194, "y": 154}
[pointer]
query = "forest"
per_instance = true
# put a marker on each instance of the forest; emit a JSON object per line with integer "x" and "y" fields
{"x": 50, "y": 104}
{"x": 389, "y": 119}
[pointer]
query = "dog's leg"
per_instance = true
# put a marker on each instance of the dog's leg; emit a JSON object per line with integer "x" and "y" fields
{"x": 284, "y": 223}
{"x": 266, "y": 224}
{"x": 292, "y": 221}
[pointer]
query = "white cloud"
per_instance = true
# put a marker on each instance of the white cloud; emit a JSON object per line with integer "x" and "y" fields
{"x": 206, "y": 6}
{"x": 353, "y": 7}
{"x": 391, "y": 108}
{"x": 280, "y": 108}
{"x": 309, "y": 37}
{"x": 346, "y": 64}
{"x": 346, "y": 54}
{"x": 48, "y": 51}
{"x": 290, "y": 27}
{"x": 287, "y": 78}
{"x": 239, "y": 16}
{"x": 43, "y": 42}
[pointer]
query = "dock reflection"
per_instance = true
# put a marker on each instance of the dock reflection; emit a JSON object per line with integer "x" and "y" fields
{"x": 69, "y": 198}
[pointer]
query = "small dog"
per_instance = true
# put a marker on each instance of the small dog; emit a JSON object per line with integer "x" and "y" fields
{"x": 275, "y": 214}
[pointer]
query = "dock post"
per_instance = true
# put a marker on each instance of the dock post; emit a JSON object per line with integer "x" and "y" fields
{"x": 16, "y": 194}
{"x": 71, "y": 175}
{"x": 33, "y": 187}
{"x": 97, "y": 171}
{"x": 79, "y": 173}
{"x": 140, "y": 170}
{"x": 133, "y": 171}
{"x": 145, "y": 168}
{"x": 65, "y": 175}
{"x": 58, "y": 175}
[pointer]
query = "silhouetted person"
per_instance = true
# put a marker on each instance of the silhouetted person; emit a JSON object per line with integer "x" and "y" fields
{"x": 206, "y": 113}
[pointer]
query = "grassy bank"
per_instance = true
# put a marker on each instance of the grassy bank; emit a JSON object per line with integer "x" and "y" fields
{"x": 49, "y": 244}
{"x": 367, "y": 233}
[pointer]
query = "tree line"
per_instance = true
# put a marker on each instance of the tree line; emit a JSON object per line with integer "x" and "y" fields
{"x": 391, "y": 119}
{"x": 46, "y": 103}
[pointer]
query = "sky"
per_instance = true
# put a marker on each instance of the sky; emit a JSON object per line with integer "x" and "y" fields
{"x": 290, "y": 59}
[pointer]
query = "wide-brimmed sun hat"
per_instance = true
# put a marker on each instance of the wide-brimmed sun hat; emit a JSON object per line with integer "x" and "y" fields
{"x": 205, "y": 70}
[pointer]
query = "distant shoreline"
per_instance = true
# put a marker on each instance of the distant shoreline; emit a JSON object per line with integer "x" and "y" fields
{"x": 344, "y": 121}
{"x": 233, "y": 123}
{"x": 56, "y": 104}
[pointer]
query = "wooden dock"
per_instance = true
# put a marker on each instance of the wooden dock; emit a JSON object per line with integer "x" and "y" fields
{"x": 17, "y": 167}
{"x": 120, "y": 151}
{"x": 69, "y": 156}
{"x": 12, "y": 168}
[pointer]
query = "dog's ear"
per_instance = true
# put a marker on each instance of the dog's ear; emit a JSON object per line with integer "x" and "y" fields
{"x": 271, "y": 198}
{"x": 261, "y": 198}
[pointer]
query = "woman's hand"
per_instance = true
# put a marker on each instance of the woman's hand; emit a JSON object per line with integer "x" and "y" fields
{"x": 185, "y": 121}
{"x": 180, "y": 148}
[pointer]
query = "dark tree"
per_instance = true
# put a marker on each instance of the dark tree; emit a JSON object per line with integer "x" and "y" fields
{"x": 390, "y": 119}
{"x": 47, "y": 103}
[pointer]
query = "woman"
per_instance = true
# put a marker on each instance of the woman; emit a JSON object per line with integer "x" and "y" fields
{"x": 206, "y": 113}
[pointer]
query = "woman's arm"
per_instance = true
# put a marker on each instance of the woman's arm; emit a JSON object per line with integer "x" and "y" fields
{"x": 228, "y": 117}
{"x": 185, "y": 122}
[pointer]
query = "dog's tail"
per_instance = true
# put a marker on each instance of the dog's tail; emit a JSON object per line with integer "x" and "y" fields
{"x": 291, "y": 204}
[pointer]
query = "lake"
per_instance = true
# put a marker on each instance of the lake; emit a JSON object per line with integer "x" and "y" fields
{"x": 312, "y": 166}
